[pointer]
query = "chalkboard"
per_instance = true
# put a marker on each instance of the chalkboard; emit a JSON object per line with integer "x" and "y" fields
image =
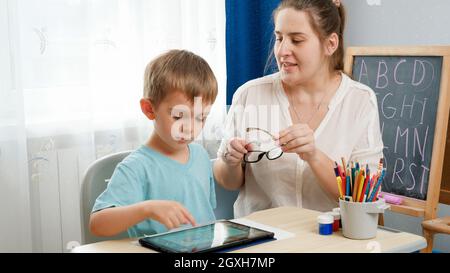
{"x": 407, "y": 90}
{"x": 412, "y": 85}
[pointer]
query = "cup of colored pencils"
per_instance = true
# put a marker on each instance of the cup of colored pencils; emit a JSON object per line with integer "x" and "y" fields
{"x": 357, "y": 183}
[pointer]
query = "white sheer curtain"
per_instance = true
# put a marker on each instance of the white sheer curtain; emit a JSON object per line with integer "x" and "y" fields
{"x": 70, "y": 82}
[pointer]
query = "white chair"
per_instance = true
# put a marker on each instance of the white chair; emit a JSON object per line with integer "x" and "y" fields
{"x": 224, "y": 200}
{"x": 95, "y": 181}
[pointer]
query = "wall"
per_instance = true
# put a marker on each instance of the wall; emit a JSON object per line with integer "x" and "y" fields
{"x": 401, "y": 22}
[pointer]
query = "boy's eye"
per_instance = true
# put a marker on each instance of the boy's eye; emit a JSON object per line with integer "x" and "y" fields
{"x": 201, "y": 119}
{"x": 177, "y": 115}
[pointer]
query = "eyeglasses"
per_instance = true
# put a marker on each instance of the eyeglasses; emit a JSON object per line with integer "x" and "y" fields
{"x": 262, "y": 143}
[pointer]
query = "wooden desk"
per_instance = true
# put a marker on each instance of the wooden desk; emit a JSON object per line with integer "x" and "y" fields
{"x": 302, "y": 223}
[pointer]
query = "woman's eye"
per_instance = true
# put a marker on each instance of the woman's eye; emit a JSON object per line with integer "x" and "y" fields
{"x": 176, "y": 117}
{"x": 295, "y": 42}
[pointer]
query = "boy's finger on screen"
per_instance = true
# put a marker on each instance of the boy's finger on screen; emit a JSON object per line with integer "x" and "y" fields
{"x": 168, "y": 223}
{"x": 175, "y": 221}
{"x": 182, "y": 219}
{"x": 189, "y": 217}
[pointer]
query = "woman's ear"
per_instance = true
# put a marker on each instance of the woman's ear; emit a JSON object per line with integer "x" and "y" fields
{"x": 148, "y": 109}
{"x": 331, "y": 45}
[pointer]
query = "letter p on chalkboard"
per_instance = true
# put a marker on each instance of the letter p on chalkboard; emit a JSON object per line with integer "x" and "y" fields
{"x": 413, "y": 93}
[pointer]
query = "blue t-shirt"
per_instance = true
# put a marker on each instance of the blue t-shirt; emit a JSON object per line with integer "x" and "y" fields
{"x": 146, "y": 174}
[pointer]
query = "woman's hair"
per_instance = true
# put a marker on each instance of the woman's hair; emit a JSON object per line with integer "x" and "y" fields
{"x": 179, "y": 70}
{"x": 325, "y": 18}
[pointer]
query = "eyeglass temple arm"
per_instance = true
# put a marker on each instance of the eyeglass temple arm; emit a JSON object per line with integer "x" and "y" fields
{"x": 267, "y": 132}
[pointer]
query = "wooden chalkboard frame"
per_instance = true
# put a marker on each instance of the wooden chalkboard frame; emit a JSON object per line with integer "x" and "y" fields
{"x": 415, "y": 207}
{"x": 444, "y": 196}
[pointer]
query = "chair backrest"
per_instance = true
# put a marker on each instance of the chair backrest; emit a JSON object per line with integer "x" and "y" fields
{"x": 94, "y": 183}
{"x": 225, "y": 201}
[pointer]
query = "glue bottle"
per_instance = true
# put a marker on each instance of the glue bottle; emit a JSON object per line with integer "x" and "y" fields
{"x": 325, "y": 222}
{"x": 336, "y": 219}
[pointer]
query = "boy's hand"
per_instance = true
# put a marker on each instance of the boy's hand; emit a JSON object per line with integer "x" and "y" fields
{"x": 235, "y": 151}
{"x": 169, "y": 213}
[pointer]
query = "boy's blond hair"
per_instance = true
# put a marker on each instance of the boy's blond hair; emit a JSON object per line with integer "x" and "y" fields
{"x": 179, "y": 70}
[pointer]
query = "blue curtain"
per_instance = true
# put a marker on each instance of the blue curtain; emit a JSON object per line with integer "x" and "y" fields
{"x": 249, "y": 32}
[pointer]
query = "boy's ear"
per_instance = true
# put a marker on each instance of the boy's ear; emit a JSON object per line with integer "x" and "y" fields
{"x": 148, "y": 109}
{"x": 332, "y": 43}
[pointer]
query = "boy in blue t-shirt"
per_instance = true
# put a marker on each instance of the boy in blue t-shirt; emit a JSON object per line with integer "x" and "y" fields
{"x": 168, "y": 182}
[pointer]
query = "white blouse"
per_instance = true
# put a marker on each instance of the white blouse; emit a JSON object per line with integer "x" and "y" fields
{"x": 350, "y": 129}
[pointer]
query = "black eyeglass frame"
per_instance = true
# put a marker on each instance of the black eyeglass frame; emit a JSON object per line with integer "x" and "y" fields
{"x": 262, "y": 153}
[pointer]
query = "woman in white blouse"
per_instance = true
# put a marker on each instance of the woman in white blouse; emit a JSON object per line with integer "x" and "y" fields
{"x": 287, "y": 129}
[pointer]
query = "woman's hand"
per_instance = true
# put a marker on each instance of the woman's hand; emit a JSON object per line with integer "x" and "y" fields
{"x": 299, "y": 139}
{"x": 169, "y": 213}
{"x": 235, "y": 151}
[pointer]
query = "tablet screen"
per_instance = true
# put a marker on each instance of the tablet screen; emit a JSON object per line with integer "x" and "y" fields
{"x": 206, "y": 238}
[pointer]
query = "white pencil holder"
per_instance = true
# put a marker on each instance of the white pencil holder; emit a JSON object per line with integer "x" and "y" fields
{"x": 360, "y": 220}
